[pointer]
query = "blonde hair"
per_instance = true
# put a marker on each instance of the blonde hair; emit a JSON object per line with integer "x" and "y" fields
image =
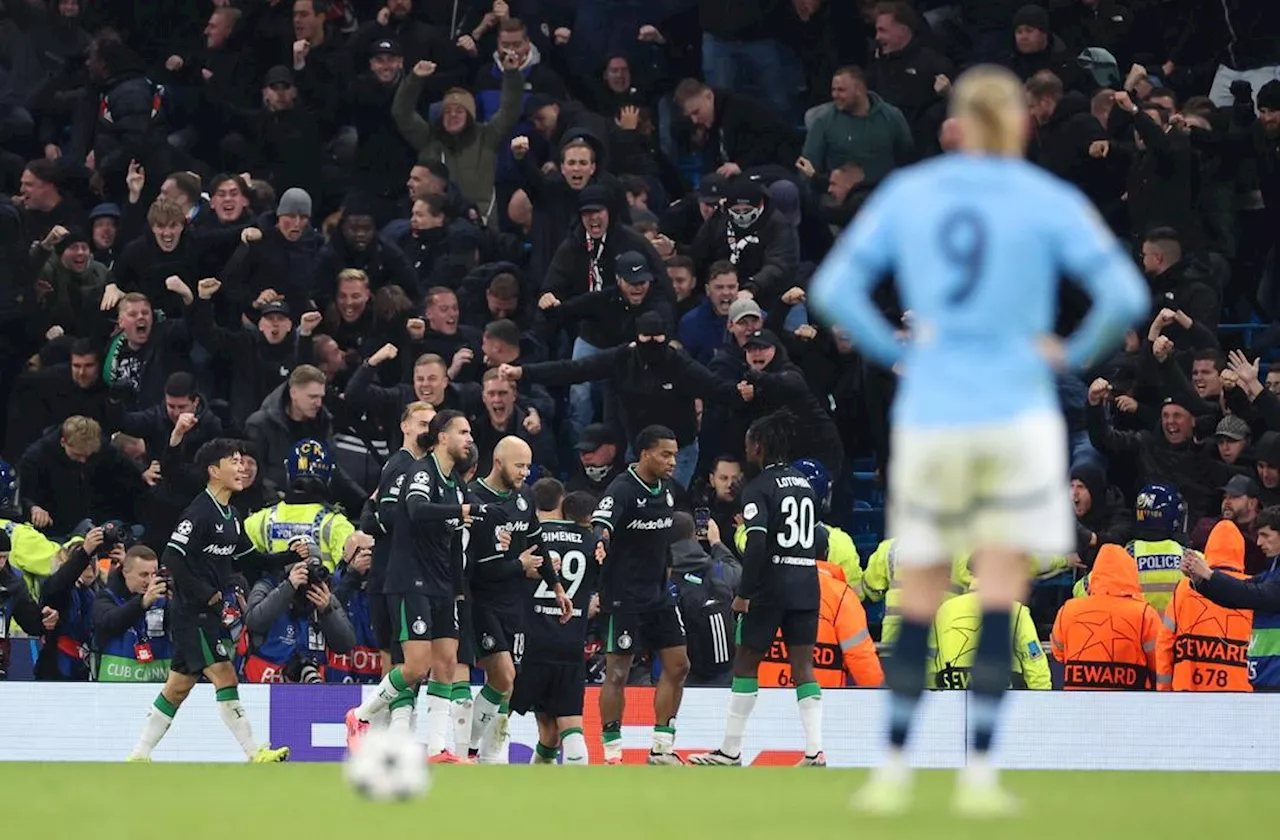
{"x": 82, "y": 432}
{"x": 991, "y": 105}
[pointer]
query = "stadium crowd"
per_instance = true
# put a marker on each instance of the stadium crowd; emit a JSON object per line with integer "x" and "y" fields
{"x": 289, "y": 220}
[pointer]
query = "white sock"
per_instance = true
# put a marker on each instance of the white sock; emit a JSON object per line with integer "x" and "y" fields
{"x": 664, "y": 737}
{"x": 483, "y": 713}
{"x": 377, "y": 702}
{"x": 157, "y": 723}
{"x": 380, "y": 720}
{"x": 463, "y": 711}
{"x": 400, "y": 719}
{"x": 741, "y": 702}
{"x": 235, "y": 719}
{"x": 493, "y": 747}
{"x": 895, "y": 767}
{"x": 439, "y": 716}
{"x": 979, "y": 772}
{"x": 810, "y": 717}
{"x": 574, "y": 744}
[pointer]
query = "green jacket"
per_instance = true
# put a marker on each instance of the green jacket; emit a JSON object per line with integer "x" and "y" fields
{"x": 473, "y": 160}
{"x": 75, "y": 297}
{"x": 878, "y": 142}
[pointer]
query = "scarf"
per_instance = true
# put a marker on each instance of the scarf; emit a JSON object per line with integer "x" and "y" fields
{"x": 595, "y": 250}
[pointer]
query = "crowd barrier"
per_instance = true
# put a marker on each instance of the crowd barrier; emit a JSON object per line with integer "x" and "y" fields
{"x": 1042, "y": 730}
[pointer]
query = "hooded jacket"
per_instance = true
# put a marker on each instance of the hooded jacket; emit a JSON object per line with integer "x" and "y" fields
{"x": 472, "y": 155}
{"x": 782, "y": 385}
{"x": 1202, "y": 646}
{"x": 1107, "y": 640}
{"x": 1107, "y": 520}
{"x": 1260, "y": 593}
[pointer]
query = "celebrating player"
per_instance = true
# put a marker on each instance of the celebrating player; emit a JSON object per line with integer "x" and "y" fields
{"x": 498, "y": 584}
{"x": 779, "y": 588}
{"x": 634, "y": 521}
{"x": 199, "y": 555}
{"x": 552, "y": 678}
{"x": 976, "y": 241}
{"x": 377, "y": 519}
{"x": 424, "y": 580}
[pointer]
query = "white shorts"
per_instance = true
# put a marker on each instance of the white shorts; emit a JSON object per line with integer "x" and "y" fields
{"x": 952, "y": 491}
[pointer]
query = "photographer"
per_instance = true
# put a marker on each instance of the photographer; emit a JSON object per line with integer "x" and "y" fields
{"x": 71, "y": 590}
{"x": 16, "y": 603}
{"x": 130, "y": 630}
{"x": 290, "y": 620}
{"x": 351, "y": 587}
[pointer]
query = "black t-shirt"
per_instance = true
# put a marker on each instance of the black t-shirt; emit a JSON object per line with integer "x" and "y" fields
{"x": 497, "y": 578}
{"x": 546, "y": 639}
{"x": 428, "y": 540}
{"x": 385, "y": 501}
{"x": 639, "y": 518}
{"x": 200, "y": 552}
{"x": 779, "y": 503}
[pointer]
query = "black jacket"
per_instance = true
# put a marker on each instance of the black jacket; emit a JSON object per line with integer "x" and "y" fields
{"x": 167, "y": 351}
{"x": 647, "y": 394}
{"x": 274, "y": 263}
{"x": 128, "y": 122}
{"x": 611, "y": 317}
{"x": 44, "y": 398}
{"x": 152, "y": 425}
{"x": 1161, "y": 185}
{"x": 738, "y": 20}
{"x": 285, "y": 147}
{"x": 275, "y": 433}
{"x": 1107, "y": 517}
{"x": 1061, "y": 145}
{"x": 104, "y": 487}
{"x": 418, "y": 42}
{"x": 1186, "y": 286}
{"x": 570, "y": 271}
{"x": 387, "y": 404}
{"x": 747, "y": 132}
{"x": 16, "y": 599}
{"x": 56, "y": 591}
{"x": 143, "y": 267}
{"x": 782, "y": 385}
{"x": 905, "y": 80}
{"x": 766, "y": 255}
{"x": 384, "y": 263}
{"x": 382, "y": 155}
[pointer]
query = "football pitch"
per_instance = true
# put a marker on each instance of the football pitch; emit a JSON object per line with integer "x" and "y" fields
{"x": 304, "y": 801}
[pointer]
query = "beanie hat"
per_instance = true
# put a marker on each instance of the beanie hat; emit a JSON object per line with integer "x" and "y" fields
{"x": 295, "y": 202}
{"x": 1269, "y": 96}
{"x": 73, "y": 236}
{"x": 1036, "y": 17}
{"x": 460, "y": 96}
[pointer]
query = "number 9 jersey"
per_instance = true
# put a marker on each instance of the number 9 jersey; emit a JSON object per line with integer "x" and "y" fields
{"x": 779, "y": 505}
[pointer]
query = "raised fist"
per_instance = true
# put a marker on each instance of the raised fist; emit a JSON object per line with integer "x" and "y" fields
{"x": 417, "y": 328}
{"x": 309, "y": 321}
{"x": 519, "y": 147}
{"x": 250, "y": 235}
{"x": 208, "y": 287}
{"x": 424, "y": 68}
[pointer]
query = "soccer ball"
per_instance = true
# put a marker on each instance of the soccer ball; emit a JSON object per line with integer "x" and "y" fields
{"x": 388, "y": 767}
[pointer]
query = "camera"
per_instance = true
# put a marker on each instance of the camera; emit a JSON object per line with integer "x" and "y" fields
{"x": 317, "y": 572}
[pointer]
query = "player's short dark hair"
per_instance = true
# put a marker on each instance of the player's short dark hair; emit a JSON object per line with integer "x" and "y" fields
{"x": 180, "y": 384}
{"x": 774, "y": 433}
{"x": 548, "y": 493}
{"x": 1162, "y": 234}
{"x": 187, "y": 184}
{"x": 720, "y": 268}
{"x": 682, "y": 526}
{"x": 578, "y": 506}
{"x": 1212, "y": 354}
{"x": 512, "y": 24}
{"x": 1269, "y": 517}
{"x": 725, "y": 457}
{"x": 437, "y": 205}
{"x": 682, "y": 261}
{"x": 437, "y": 168}
{"x": 504, "y": 330}
{"x": 688, "y": 89}
{"x": 85, "y": 347}
{"x": 222, "y": 177}
{"x": 441, "y": 422}
{"x": 504, "y": 286}
{"x": 650, "y": 436}
{"x": 216, "y": 451}
{"x": 852, "y": 71}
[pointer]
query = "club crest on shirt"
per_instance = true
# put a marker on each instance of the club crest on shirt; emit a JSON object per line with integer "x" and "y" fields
{"x": 624, "y": 641}
{"x": 671, "y": 500}
{"x": 521, "y": 503}
{"x": 419, "y": 627}
{"x": 488, "y": 642}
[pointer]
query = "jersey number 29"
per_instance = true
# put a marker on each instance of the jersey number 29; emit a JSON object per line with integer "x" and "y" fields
{"x": 798, "y": 527}
{"x": 573, "y": 568}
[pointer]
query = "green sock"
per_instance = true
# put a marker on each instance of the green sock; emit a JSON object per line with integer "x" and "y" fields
{"x": 438, "y": 689}
{"x": 461, "y": 692}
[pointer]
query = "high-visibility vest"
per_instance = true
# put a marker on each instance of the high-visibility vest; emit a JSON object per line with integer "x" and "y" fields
{"x": 954, "y": 642}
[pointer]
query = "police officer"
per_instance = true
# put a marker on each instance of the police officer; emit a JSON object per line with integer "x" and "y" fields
{"x": 16, "y": 603}
{"x": 1161, "y": 518}
{"x": 306, "y": 510}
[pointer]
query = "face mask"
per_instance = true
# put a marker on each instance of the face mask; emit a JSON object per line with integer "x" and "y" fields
{"x": 651, "y": 352}
{"x": 595, "y": 474}
{"x": 743, "y": 219}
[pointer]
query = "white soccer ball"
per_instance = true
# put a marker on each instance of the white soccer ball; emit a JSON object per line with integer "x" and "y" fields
{"x": 388, "y": 767}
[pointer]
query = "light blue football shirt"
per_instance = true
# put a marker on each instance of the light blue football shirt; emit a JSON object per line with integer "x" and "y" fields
{"x": 976, "y": 245}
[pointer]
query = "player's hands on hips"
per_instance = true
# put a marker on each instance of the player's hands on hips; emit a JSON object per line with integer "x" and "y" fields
{"x": 741, "y": 605}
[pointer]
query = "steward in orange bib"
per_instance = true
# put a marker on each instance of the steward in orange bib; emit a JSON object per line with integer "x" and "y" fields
{"x": 1107, "y": 639}
{"x": 1202, "y": 646}
{"x": 844, "y": 646}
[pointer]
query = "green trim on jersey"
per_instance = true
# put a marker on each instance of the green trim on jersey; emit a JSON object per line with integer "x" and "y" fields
{"x": 443, "y": 477}
{"x": 653, "y": 491}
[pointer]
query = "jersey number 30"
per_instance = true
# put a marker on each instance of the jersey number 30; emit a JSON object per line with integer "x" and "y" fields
{"x": 573, "y": 568}
{"x": 798, "y": 527}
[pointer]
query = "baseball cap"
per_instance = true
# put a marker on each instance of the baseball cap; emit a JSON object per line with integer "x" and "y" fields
{"x": 711, "y": 188}
{"x": 742, "y": 308}
{"x": 631, "y": 267}
{"x": 1240, "y": 485}
{"x": 278, "y": 75}
{"x": 1232, "y": 427}
{"x": 385, "y": 47}
{"x": 593, "y": 437}
{"x": 103, "y": 211}
{"x": 1181, "y": 402}
{"x": 761, "y": 338}
{"x": 593, "y": 197}
{"x": 275, "y": 307}
{"x": 744, "y": 191}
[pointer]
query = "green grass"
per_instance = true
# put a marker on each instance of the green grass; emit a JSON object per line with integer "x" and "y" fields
{"x": 310, "y": 801}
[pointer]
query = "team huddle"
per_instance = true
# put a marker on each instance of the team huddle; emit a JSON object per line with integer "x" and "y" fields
{"x": 497, "y": 574}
